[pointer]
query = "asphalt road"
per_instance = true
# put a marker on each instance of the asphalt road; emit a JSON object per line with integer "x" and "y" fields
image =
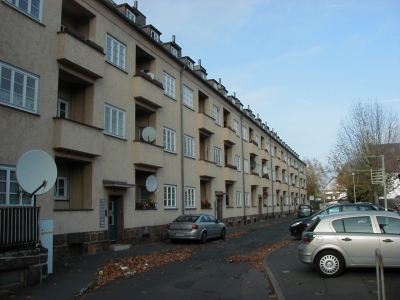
{"x": 207, "y": 275}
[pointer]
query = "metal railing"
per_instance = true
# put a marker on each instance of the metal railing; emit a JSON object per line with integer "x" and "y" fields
{"x": 19, "y": 225}
{"x": 380, "y": 277}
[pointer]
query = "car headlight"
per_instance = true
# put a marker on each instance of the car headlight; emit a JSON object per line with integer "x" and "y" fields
{"x": 295, "y": 224}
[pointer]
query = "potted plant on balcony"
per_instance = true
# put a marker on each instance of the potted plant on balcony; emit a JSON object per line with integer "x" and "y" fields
{"x": 205, "y": 204}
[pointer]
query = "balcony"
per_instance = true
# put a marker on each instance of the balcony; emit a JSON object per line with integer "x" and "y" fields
{"x": 265, "y": 155}
{"x": 229, "y": 136}
{"x": 255, "y": 180}
{"x": 148, "y": 90}
{"x": 147, "y": 154}
{"x": 206, "y": 123}
{"x": 232, "y": 175}
{"x": 208, "y": 169}
{"x": 77, "y": 137}
{"x": 85, "y": 57}
{"x": 253, "y": 148}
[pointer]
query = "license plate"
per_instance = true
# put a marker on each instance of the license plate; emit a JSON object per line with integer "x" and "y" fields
{"x": 179, "y": 234}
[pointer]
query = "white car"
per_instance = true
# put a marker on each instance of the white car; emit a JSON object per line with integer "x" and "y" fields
{"x": 333, "y": 242}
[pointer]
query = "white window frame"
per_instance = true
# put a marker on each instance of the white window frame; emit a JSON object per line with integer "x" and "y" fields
{"x": 238, "y": 199}
{"x": 217, "y": 115}
{"x": 154, "y": 35}
{"x": 246, "y": 166}
{"x": 244, "y": 132}
{"x": 187, "y": 96}
{"x": 246, "y": 199}
{"x": 190, "y": 197}
{"x": 130, "y": 15}
{"x": 66, "y": 112}
{"x": 258, "y": 141}
{"x": 170, "y": 196}
{"x": 115, "y": 52}
{"x": 57, "y": 194}
{"x": 29, "y": 11}
{"x": 169, "y": 85}
{"x": 217, "y": 156}
{"x": 111, "y": 129}
{"x": 174, "y": 51}
{"x": 237, "y": 161}
{"x": 259, "y": 170}
{"x": 11, "y": 187}
{"x": 190, "y": 65}
{"x": 19, "y": 79}
{"x": 203, "y": 75}
{"x": 236, "y": 127}
{"x": 188, "y": 146}
{"x": 169, "y": 140}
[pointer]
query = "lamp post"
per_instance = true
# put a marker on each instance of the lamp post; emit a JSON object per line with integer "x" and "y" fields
{"x": 354, "y": 189}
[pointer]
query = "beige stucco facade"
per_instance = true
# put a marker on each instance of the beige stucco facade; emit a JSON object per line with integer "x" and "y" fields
{"x": 99, "y": 167}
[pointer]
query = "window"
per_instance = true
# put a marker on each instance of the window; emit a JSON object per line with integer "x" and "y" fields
{"x": 10, "y": 192}
{"x": 190, "y": 65}
{"x": 174, "y": 51}
{"x": 258, "y": 141}
{"x": 247, "y": 199}
{"x": 143, "y": 194}
{"x": 190, "y": 197}
{"x": 114, "y": 121}
{"x": 389, "y": 225}
{"x": 18, "y": 88}
{"x": 130, "y": 15}
{"x": 237, "y": 162}
{"x": 217, "y": 116}
{"x": 236, "y": 126}
{"x": 258, "y": 168}
{"x": 203, "y": 75}
{"x": 115, "y": 52}
{"x": 187, "y": 97}
{"x": 61, "y": 188}
{"x": 217, "y": 156}
{"x": 246, "y": 166}
{"x": 169, "y": 196}
{"x": 169, "y": 139}
{"x": 356, "y": 224}
{"x": 62, "y": 108}
{"x": 169, "y": 85}
{"x": 155, "y": 35}
{"x": 238, "y": 199}
{"x": 31, "y": 7}
{"x": 188, "y": 146}
{"x": 267, "y": 146}
{"x": 244, "y": 133}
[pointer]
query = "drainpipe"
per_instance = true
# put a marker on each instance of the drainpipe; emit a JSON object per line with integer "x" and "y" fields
{"x": 244, "y": 187}
{"x": 298, "y": 178}
{"x": 287, "y": 180}
{"x": 182, "y": 141}
{"x": 272, "y": 177}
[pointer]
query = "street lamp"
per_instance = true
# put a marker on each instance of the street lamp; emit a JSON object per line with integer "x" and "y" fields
{"x": 354, "y": 189}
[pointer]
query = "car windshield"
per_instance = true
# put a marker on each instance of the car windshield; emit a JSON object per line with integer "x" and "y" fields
{"x": 187, "y": 218}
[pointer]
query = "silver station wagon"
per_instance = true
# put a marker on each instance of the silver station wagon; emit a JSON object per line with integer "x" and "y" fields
{"x": 333, "y": 242}
{"x": 196, "y": 227}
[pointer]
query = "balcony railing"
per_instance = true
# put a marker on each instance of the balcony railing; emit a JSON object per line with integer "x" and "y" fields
{"x": 19, "y": 225}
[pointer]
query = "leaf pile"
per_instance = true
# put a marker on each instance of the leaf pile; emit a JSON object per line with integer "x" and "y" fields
{"x": 257, "y": 256}
{"x": 135, "y": 265}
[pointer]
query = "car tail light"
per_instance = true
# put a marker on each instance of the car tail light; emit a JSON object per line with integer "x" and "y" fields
{"x": 168, "y": 226}
{"x": 308, "y": 210}
{"x": 308, "y": 237}
{"x": 195, "y": 227}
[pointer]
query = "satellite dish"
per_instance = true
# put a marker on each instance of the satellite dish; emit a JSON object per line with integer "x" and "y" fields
{"x": 265, "y": 170}
{"x": 36, "y": 172}
{"x": 149, "y": 134}
{"x": 151, "y": 183}
{"x": 253, "y": 163}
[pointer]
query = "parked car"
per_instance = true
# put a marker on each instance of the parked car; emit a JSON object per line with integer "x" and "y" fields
{"x": 396, "y": 208}
{"x": 334, "y": 242}
{"x": 297, "y": 227}
{"x": 304, "y": 210}
{"x": 196, "y": 227}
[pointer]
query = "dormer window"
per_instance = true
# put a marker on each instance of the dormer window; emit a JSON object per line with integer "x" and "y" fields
{"x": 215, "y": 85}
{"x": 155, "y": 35}
{"x": 174, "y": 51}
{"x": 204, "y": 76}
{"x": 190, "y": 65}
{"x": 130, "y": 15}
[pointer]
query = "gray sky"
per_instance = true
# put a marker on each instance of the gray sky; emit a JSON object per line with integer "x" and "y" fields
{"x": 298, "y": 64}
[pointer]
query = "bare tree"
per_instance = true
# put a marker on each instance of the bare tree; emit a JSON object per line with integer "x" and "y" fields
{"x": 365, "y": 134}
{"x": 317, "y": 177}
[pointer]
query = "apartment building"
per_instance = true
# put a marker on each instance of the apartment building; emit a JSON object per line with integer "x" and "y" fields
{"x": 138, "y": 132}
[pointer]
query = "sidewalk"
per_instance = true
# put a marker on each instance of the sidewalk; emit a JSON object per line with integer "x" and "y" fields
{"x": 72, "y": 275}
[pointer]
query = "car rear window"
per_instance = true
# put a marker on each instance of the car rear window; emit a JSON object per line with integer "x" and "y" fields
{"x": 304, "y": 206}
{"x": 186, "y": 219}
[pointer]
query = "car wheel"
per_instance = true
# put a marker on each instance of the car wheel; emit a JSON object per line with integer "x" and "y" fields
{"x": 173, "y": 241}
{"x": 223, "y": 233}
{"x": 203, "y": 238}
{"x": 329, "y": 264}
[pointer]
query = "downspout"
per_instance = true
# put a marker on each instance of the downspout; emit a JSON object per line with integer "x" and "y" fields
{"x": 244, "y": 187}
{"x": 272, "y": 177}
{"x": 182, "y": 141}
{"x": 298, "y": 178}
{"x": 287, "y": 180}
